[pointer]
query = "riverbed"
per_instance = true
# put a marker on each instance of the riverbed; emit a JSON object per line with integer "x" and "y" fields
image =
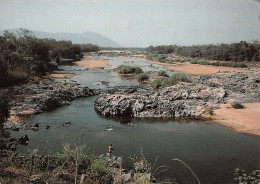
{"x": 212, "y": 151}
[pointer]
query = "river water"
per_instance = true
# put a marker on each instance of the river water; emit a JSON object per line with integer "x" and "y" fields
{"x": 211, "y": 151}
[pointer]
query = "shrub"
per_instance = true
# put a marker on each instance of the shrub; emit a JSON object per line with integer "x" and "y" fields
{"x": 209, "y": 110}
{"x": 124, "y": 69}
{"x": 174, "y": 79}
{"x": 142, "y": 77}
{"x": 204, "y": 62}
{"x": 233, "y": 64}
{"x": 237, "y": 105}
{"x": 98, "y": 168}
{"x": 178, "y": 77}
{"x": 194, "y": 62}
{"x": 156, "y": 83}
{"x": 163, "y": 73}
{"x": 216, "y": 63}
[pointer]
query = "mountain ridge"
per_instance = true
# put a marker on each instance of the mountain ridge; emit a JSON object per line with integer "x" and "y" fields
{"x": 78, "y": 38}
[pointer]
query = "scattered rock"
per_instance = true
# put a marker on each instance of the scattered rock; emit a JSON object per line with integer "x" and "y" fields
{"x": 46, "y": 126}
{"x": 67, "y": 124}
{"x": 15, "y": 128}
{"x": 114, "y": 161}
{"x": 106, "y": 83}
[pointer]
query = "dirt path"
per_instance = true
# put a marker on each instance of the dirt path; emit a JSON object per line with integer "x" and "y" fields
{"x": 246, "y": 121}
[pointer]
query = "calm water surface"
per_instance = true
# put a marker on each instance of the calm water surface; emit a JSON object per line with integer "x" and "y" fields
{"x": 212, "y": 151}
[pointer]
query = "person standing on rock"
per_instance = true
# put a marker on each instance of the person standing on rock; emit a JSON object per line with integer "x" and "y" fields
{"x": 110, "y": 150}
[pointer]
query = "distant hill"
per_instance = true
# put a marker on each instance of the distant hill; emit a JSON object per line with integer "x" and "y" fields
{"x": 80, "y": 38}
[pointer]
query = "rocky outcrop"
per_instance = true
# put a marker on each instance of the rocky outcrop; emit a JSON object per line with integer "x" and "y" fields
{"x": 242, "y": 86}
{"x": 44, "y": 95}
{"x": 182, "y": 100}
{"x": 24, "y": 126}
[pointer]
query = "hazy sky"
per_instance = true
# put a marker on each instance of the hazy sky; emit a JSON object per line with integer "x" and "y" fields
{"x": 139, "y": 22}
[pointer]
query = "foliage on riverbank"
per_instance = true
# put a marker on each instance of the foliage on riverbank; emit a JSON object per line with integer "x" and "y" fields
{"x": 237, "y": 52}
{"x": 169, "y": 81}
{"x": 23, "y": 55}
{"x": 65, "y": 167}
{"x": 226, "y": 63}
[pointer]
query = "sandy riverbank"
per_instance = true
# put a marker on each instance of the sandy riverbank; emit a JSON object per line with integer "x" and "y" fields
{"x": 194, "y": 70}
{"x": 62, "y": 75}
{"x": 245, "y": 121}
{"x": 93, "y": 64}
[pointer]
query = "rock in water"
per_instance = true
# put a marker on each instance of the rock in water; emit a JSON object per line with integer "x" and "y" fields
{"x": 67, "y": 124}
{"x": 24, "y": 140}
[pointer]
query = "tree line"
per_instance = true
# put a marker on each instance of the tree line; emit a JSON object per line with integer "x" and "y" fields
{"x": 23, "y": 55}
{"x": 237, "y": 52}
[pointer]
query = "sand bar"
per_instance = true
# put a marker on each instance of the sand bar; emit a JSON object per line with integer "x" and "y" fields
{"x": 93, "y": 64}
{"x": 194, "y": 70}
{"x": 246, "y": 121}
{"x": 62, "y": 75}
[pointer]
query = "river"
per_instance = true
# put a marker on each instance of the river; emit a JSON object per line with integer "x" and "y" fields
{"x": 211, "y": 151}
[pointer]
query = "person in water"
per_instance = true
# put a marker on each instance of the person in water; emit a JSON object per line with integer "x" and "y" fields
{"x": 110, "y": 148}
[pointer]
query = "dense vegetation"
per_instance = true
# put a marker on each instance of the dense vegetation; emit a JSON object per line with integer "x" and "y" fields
{"x": 236, "y": 52}
{"x": 65, "y": 167}
{"x": 169, "y": 81}
{"x": 23, "y": 55}
{"x": 124, "y": 69}
{"x": 4, "y": 106}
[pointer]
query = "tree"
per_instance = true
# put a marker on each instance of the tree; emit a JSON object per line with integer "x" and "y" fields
{"x": 4, "y": 106}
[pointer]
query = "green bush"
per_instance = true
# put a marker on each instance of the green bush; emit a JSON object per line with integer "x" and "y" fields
{"x": 178, "y": 77}
{"x": 194, "y": 61}
{"x": 156, "y": 83}
{"x": 99, "y": 168}
{"x": 174, "y": 79}
{"x": 142, "y": 77}
{"x": 233, "y": 64}
{"x": 163, "y": 73}
{"x": 204, "y": 62}
{"x": 124, "y": 69}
